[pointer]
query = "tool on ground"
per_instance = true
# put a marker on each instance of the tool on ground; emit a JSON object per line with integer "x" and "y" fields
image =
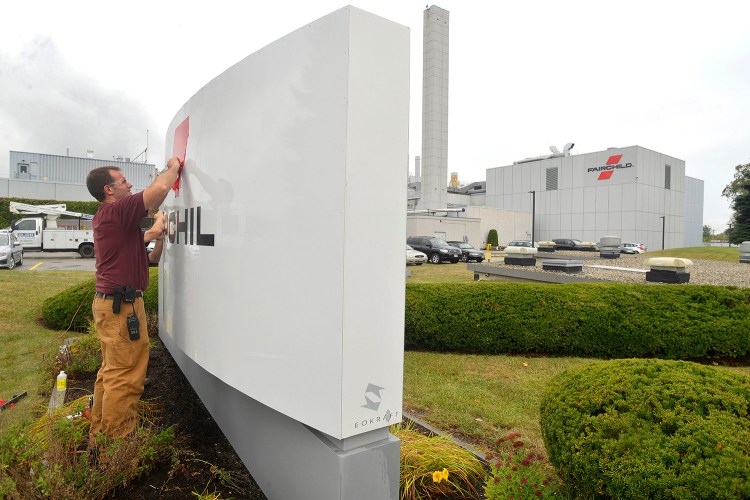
{"x": 10, "y": 404}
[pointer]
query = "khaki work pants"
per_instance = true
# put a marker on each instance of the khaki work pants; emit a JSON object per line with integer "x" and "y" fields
{"x": 119, "y": 383}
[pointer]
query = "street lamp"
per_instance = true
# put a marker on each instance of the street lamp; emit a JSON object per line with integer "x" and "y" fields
{"x": 533, "y": 215}
{"x": 662, "y": 231}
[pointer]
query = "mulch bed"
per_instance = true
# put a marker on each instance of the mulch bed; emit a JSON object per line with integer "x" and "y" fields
{"x": 202, "y": 447}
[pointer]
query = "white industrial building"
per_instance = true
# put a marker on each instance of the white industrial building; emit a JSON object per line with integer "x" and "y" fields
{"x": 633, "y": 192}
{"x": 53, "y": 177}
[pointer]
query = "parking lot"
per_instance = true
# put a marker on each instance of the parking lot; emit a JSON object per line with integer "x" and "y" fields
{"x": 63, "y": 261}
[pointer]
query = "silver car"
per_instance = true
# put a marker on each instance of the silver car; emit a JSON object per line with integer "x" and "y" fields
{"x": 522, "y": 243}
{"x": 11, "y": 251}
{"x": 632, "y": 248}
{"x": 415, "y": 257}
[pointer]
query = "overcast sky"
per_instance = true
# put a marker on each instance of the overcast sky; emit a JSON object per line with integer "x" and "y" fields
{"x": 671, "y": 76}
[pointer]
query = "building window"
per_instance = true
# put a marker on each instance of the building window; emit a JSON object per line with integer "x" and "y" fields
{"x": 667, "y": 176}
{"x": 23, "y": 168}
{"x": 552, "y": 179}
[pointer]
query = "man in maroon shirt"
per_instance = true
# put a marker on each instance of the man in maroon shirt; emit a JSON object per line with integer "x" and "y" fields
{"x": 121, "y": 277}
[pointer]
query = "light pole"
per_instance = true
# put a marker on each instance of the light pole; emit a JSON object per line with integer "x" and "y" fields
{"x": 533, "y": 215}
{"x": 662, "y": 231}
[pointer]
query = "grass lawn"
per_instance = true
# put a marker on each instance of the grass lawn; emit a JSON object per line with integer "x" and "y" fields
{"x": 441, "y": 273}
{"x": 727, "y": 254}
{"x": 25, "y": 344}
{"x": 483, "y": 397}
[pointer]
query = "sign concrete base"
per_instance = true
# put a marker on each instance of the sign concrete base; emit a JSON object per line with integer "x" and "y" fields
{"x": 289, "y": 460}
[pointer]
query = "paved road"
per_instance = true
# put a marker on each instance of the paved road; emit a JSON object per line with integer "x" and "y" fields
{"x": 53, "y": 261}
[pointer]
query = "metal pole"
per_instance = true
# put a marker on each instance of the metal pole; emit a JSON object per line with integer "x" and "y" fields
{"x": 533, "y": 215}
{"x": 662, "y": 231}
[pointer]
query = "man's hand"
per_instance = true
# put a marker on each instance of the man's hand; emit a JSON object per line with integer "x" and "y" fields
{"x": 157, "y": 230}
{"x": 160, "y": 220}
{"x": 174, "y": 162}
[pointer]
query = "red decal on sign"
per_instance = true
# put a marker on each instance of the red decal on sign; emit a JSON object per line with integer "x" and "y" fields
{"x": 179, "y": 148}
{"x": 606, "y": 174}
{"x": 614, "y": 160}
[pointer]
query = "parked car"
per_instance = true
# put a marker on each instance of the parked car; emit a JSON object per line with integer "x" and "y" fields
{"x": 11, "y": 251}
{"x": 415, "y": 257}
{"x": 468, "y": 252}
{"x": 567, "y": 244}
{"x": 522, "y": 243}
{"x": 632, "y": 248}
{"x": 437, "y": 250}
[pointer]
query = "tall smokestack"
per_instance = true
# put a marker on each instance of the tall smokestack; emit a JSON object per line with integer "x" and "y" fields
{"x": 434, "y": 194}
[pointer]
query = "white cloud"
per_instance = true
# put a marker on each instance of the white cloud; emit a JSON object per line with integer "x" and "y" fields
{"x": 50, "y": 107}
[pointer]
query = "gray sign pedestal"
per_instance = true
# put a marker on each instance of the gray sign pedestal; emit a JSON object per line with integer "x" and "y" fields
{"x": 289, "y": 460}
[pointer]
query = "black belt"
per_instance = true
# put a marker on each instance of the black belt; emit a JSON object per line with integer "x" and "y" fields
{"x": 111, "y": 296}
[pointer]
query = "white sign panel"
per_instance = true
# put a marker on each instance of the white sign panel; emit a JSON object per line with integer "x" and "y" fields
{"x": 283, "y": 272}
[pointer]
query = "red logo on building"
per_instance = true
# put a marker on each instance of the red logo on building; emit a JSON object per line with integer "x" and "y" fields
{"x": 614, "y": 160}
{"x": 606, "y": 174}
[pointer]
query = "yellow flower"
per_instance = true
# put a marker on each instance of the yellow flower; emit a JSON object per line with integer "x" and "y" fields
{"x": 438, "y": 476}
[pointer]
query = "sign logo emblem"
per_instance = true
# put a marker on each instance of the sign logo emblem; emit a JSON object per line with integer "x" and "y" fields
{"x": 606, "y": 174}
{"x": 373, "y": 402}
{"x": 606, "y": 171}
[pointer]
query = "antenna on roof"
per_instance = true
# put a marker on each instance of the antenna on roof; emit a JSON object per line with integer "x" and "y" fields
{"x": 143, "y": 153}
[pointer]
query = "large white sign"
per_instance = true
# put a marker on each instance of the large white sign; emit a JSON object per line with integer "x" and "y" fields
{"x": 283, "y": 273}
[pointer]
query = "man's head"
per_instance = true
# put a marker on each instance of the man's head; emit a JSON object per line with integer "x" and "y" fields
{"x": 108, "y": 184}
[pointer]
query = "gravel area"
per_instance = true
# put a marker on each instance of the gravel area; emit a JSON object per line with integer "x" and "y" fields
{"x": 703, "y": 272}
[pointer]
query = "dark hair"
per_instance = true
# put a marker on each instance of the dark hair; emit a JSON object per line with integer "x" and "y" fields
{"x": 97, "y": 179}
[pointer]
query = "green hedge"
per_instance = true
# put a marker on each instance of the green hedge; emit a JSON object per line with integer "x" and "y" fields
{"x": 599, "y": 320}
{"x": 649, "y": 428}
{"x": 84, "y": 207}
{"x": 74, "y": 304}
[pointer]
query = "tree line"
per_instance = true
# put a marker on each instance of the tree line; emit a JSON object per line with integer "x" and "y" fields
{"x": 738, "y": 194}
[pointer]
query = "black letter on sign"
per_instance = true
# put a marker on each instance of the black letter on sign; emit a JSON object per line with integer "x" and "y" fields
{"x": 206, "y": 240}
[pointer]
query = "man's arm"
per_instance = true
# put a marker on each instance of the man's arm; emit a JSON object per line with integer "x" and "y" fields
{"x": 156, "y": 193}
{"x": 157, "y": 230}
{"x": 155, "y": 255}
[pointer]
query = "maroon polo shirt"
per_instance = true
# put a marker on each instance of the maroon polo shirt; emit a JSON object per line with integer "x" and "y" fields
{"x": 118, "y": 243}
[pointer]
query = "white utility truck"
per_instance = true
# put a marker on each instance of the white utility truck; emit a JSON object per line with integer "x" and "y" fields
{"x": 46, "y": 231}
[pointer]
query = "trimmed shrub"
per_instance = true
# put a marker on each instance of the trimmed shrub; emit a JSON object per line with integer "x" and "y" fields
{"x": 72, "y": 308}
{"x": 607, "y": 320}
{"x": 649, "y": 429}
{"x": 492, "y": 237}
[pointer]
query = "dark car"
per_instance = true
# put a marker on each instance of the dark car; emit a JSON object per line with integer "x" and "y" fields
{"x": 468, "y": 252}
{"x": 437, "y": 250}
{"x": 567, "y": 244}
